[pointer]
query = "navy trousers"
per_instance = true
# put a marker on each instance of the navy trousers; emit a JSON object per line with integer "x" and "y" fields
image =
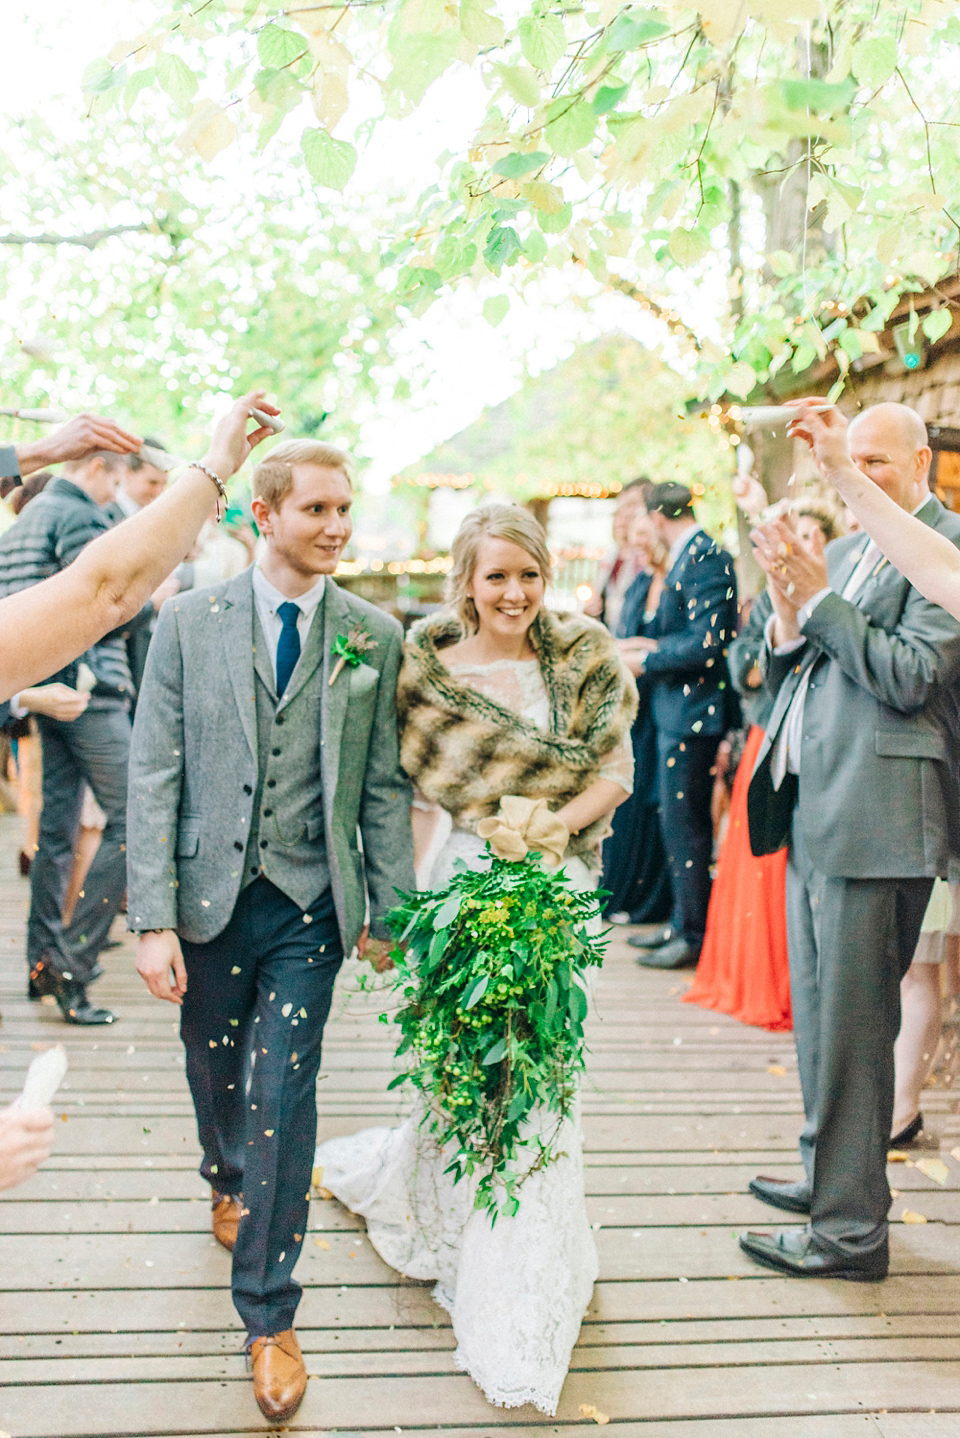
{"x": 258, "y": 996}
{"x": 686, "y": 785}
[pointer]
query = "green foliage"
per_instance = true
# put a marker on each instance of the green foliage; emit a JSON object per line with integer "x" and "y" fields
{"x": 823, "y": 133}
{"x": 217, "y": 292}
{"x": 495, "y": 999}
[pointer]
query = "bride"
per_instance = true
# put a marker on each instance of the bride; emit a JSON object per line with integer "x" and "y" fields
{"x": 498, "y": 696}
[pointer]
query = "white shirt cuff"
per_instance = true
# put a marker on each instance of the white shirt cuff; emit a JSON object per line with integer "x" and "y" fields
{"x": 805, "y": 610}
{"x": 787, "y": 648}
{"x": 17, "y": 710}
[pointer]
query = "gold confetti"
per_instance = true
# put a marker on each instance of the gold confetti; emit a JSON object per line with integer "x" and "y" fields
{"x": 895, "y": 1156}
{"x": 322, "y": 1243}
{"x": 777, "y": 1070}
{"x": 235, "y": 969}
{"x": 934, "y": 1168}
{"x": 589, "y": 1410}
{"x": 268, "y": 1132}
{"x": 909, "y": 1216}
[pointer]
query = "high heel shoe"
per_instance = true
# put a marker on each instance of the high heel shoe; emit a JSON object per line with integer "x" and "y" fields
{"x": 24, "y": 864}
{"x": 70, "y": 995}
{"x": 909, "y": 1134}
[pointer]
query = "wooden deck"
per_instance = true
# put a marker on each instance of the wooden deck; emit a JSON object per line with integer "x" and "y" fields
{"x": 116, "y": 1317}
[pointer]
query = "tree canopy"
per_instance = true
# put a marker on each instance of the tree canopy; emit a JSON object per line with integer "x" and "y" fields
{"x": 793, "y": 160}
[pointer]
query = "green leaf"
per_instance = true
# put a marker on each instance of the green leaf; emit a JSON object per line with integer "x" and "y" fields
{"x": 936, "y": 323}
{"x": 419, "y": 60}
{"x": 495, "y": 308}
{"x": 514, "y": 166}
{"x": 607, "y": 98}
{"x": 447, "y": 912}
{"x": 816, "y": 95}
{"x": 139, "y": 80}
{"x": 330, "y": 162}
{"x": 396, "y": 1082}
{"x": 555, "y": 223}
{"x": 633, "y": 28}
{"x": 478, "y": 25}
{"x": 542, "y": 40}
{"x": 176, "y": 78}
{"x": 98, "y": 77}
{"x": 874, "y": 61}
{"x": 689, "y": 246}
{"x": 741, "y": 379}
{"x": 521, "y": 84}
{"x": 803, "y": 357}
{"x": 476, "y": 991}
{"x": 849, "y": 342}
{"x": 570, "y": 125}
{"x": 535, "y": 247}
{"x": 503, "y": 245}
{"x": 496, "y": 1053}
{"x": 278, "y": 48}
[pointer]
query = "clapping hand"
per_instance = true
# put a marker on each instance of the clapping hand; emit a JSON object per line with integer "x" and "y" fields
{"x": 795, "y": 571}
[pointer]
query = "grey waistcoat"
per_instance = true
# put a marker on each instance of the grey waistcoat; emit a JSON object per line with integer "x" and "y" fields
{"x": 287, "y": 842}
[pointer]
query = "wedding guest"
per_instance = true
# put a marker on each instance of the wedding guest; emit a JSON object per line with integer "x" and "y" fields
{"x": 743, "y": 969}
{"x": 856, "y": 774}
{"x": 500, "y": 698}
{"x": 635, "y": 868}
{"x": 140, "y": 483}
{"x": 46, "y": 627}
{"x": 921, "y": 1013}
{"x": 693, "y": 705}
{"x": 620, "y": 568}
{"x": 260, "y": 764}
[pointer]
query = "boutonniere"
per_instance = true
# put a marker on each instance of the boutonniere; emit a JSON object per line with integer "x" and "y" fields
{"x": 350, "y": 649}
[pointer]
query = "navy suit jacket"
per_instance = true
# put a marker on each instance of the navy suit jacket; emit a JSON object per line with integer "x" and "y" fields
{"x": 694, "y": 624}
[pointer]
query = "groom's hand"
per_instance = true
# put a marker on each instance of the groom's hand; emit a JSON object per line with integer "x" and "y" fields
{"x": 160, "y": 965}
{"x": 376, "y": 951}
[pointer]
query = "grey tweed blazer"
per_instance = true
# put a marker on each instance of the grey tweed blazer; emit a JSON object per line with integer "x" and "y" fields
{"x": 195, "y": 752}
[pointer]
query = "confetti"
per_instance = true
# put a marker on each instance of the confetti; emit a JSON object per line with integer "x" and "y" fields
{"x": 909, "y": 1216}
{"x": 322, "y": 1243}
{"x": 590, "y": 1410}
{"x": 268, "y": 1132}
{"x": 934, "y": 1168}
{"x": 777, "y": 1070}
{"x": 895, "y": 1156}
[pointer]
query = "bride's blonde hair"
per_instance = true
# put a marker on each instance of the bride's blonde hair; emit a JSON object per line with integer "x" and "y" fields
{"x": 492, "y": 521}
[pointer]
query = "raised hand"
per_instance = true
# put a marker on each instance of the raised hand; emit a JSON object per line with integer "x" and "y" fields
{"x": 80, "y": 436}
{"x": 822, "y": 426}
{"x": 231, "y": 445}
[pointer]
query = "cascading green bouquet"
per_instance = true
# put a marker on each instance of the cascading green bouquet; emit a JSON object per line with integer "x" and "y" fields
{"x": 495, "y": 999}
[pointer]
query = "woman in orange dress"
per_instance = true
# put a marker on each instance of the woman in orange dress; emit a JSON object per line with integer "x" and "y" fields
{"x": 743, "y": 968}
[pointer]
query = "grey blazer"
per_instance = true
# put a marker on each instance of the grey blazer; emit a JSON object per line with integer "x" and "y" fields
{"x": 195, "y": 752}
{"x": 878, "y": 786}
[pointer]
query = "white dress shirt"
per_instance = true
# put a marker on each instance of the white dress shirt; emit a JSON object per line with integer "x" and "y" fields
{"x": 268, "y": 600}
{"x": 785, "y": 758}
{"x": 679, "y": 545}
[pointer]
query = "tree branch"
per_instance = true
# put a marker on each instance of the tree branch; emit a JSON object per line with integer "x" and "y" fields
{"x": 89, "y": 241}
{"x": 660, "y": 312}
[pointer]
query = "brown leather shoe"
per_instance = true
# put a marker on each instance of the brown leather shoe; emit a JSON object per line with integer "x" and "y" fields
{"x": 226, "y": 1217}
{"x": 279, "y": 1377}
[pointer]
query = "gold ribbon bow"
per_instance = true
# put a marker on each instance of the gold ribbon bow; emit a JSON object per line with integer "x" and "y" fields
{"x": 522, "y": 825}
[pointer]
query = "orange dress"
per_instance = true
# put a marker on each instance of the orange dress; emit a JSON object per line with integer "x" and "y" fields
{"x": 743, "y": 964}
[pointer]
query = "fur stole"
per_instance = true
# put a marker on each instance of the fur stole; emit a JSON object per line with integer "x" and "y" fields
{"x": 465, "y": 751}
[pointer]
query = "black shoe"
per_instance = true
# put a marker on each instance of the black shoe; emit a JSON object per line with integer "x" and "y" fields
{"x": 910, "y": 1134}
{"x": 676, "y": 955}
{"x": 653, "y": 936}
{"x": 782, "y": 1193}
{"x": 70, "y": 995}
{"x": 33, "y": 993}
{"x": 799, "y": 1252}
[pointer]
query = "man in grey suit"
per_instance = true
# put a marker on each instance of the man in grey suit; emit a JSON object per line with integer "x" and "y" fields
{"x": 265, "y": 743}
{"x": 858, "y": 774}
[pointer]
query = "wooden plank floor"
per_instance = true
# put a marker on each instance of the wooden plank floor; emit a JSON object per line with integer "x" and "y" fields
{"x": 115, "y": 1313}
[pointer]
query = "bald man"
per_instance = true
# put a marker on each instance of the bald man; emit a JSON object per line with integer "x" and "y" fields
{"x": 858, "y": 776}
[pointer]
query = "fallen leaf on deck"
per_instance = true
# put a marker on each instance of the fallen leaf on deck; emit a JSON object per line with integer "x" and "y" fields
{"x": 908, "y": 1216}
{"x": 321, "y": 1243}
{"x": 955, "y": 1153}
{"x": 587, "y": 1410}
{"x": 777, "y": 1069}
{"x": 934, "y": 1168}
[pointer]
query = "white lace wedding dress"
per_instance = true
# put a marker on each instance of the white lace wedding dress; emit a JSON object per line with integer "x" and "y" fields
{"x": 516, "y": 1290}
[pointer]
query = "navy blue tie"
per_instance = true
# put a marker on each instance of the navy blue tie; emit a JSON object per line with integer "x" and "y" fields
{"x": 288, "y": 645}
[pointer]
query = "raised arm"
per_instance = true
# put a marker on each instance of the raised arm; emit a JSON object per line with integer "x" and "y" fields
{"x": 928, "y": 559}
{"x": 45, "y": 627}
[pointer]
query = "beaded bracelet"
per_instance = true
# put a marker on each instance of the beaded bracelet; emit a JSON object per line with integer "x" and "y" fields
{"x": 221, "y": 488}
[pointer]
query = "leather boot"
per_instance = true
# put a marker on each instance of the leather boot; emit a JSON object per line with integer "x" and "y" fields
{"x": 226, "y": 1217}
{"x": 279, "y": 1377}
{"x": 69, "y": 993}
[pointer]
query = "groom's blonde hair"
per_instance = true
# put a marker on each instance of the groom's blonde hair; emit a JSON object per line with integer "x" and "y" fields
{"x": 273, "y": 477}
{"x": 492, "y": 521}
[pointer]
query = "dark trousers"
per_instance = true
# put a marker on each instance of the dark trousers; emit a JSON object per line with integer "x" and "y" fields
{"x": 257, "y": 998}
{"x": 94, "y": 750}
{"x": 686, "y": 786}
{"x": 850, "y": 943}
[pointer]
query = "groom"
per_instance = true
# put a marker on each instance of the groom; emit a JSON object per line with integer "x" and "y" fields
{"x": 259, "y": 757}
